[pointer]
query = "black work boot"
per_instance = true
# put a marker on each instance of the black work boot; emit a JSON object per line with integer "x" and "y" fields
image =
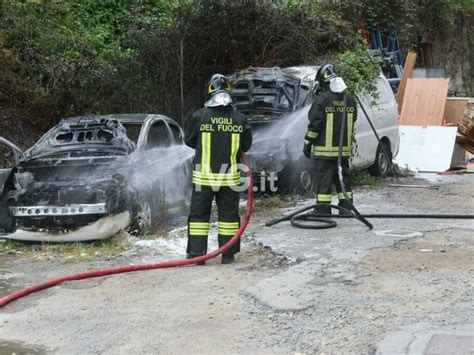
{"x": 322, "y": 209}
{"x": 191, "y": 256}
{"x": 227, "y": 258}
{"x": 345, "y": 204}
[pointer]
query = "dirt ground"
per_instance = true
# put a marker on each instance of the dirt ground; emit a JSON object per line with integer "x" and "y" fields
{"x": 291, "y": 291}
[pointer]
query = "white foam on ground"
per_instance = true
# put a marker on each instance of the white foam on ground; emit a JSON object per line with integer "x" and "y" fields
{"x": 174, "y": 244}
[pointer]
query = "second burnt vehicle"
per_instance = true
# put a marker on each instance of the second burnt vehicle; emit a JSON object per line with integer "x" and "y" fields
{"x": 276, "y": 103}
{"x": 90, "y": 176}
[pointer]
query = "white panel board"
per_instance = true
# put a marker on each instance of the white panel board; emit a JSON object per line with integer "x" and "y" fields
{"x": 426, "y": 148}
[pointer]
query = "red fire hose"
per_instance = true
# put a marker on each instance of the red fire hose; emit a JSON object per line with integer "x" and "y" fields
{"x": 129, "y": 268}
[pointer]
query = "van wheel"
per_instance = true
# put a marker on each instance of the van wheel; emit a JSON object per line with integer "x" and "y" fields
{"x": 383, "y": 164}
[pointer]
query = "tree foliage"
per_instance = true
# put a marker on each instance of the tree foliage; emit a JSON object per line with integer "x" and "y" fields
{"x": 100, "y": 56}
{"x": 358, "y": 67}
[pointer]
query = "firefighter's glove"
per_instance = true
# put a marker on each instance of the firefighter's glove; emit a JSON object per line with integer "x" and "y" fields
{"x": 307, "y": 150}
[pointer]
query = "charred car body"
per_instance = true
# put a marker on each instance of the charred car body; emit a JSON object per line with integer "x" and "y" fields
{"x": 276, "y": 102}
{"x": 99, "y": 171}
{"x": 267, "y": 96}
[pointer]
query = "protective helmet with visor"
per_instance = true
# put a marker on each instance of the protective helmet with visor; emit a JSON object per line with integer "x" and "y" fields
{"x": 327, "y": 77}
{"x": 218, "y": 87}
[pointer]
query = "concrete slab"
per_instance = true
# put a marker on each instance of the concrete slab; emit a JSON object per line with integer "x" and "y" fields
{"x": 424, "y": 339}
{"x": 450, "y": 344}
{"x": 286, "y": 291}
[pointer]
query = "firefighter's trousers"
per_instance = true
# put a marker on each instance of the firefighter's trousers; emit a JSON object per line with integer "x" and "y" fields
{"x": 227, "y": 201}
{"x": 326, "y": 176}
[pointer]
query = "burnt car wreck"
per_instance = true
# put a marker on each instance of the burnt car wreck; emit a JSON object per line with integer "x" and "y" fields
{"x": 82, "y": 179}
{"x": 265, "y": 95}
{"x": 268, "y": 97}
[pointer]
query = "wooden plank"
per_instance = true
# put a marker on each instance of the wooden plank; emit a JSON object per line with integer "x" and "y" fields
{"x": 407, "y": 70}
{"x": 454, "y": 110}
{"x": 424, "y": 102}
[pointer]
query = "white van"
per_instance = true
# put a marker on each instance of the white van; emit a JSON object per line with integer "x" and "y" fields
{"x": 276, "y": 102}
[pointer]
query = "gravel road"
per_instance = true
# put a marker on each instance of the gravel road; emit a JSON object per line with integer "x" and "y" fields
{"x": 347, "y": 289}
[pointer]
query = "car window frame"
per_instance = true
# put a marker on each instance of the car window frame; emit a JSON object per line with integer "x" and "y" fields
{"x": 180, "y": 138}
{"x": 148, "y": 123}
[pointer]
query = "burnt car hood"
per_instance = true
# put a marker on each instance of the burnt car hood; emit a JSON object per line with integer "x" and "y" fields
{"x": 78, "y": 152}
{"x": 78, "y": 166}
{"x": 82, "y": 137}
{"x": 265, "y": 95}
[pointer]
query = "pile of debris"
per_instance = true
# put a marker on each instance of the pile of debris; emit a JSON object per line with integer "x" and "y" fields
{"x": 436, "y": 131}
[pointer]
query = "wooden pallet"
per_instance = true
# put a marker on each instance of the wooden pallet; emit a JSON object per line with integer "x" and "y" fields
{"x": 466, "y": 126}
{"x": 465, "y": 142}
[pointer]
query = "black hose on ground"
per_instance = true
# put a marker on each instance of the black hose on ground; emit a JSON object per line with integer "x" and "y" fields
{"x": 320, "y": 222}
{"x": 326, "y": 218}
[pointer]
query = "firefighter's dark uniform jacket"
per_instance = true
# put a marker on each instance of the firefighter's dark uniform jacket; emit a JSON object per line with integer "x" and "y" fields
{"x": 325, "y": 117}
{"x": 219, "y": 135}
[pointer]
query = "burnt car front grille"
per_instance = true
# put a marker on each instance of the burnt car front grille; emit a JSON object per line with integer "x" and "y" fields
{"x": 50, "y": 211}
{"x": 84, "y": 195}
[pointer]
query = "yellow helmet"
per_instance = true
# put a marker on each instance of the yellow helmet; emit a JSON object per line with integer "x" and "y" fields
{"x": 325, "y": 74}
{"x": 218, "y": 83}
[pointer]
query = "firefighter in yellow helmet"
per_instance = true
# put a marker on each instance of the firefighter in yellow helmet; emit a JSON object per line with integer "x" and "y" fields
{"x": 322, "y": 138}
{"x": 219, "y": 134}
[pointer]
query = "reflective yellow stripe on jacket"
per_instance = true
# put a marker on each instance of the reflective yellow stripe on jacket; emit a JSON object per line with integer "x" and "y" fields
{"x": 328, "y": 150}
{"x": 216, "y": 179}
{"x": 206, "y": 177}
{"x": 206, "y": 152}
{"x": 234, "y": 149}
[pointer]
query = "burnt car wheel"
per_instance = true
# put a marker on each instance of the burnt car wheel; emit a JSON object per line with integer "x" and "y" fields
{"x": 148, "y": 213}
{"x": 299, "y": 178}
{"x": 144, "y": 217}
{"x": 305, "y": 181}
